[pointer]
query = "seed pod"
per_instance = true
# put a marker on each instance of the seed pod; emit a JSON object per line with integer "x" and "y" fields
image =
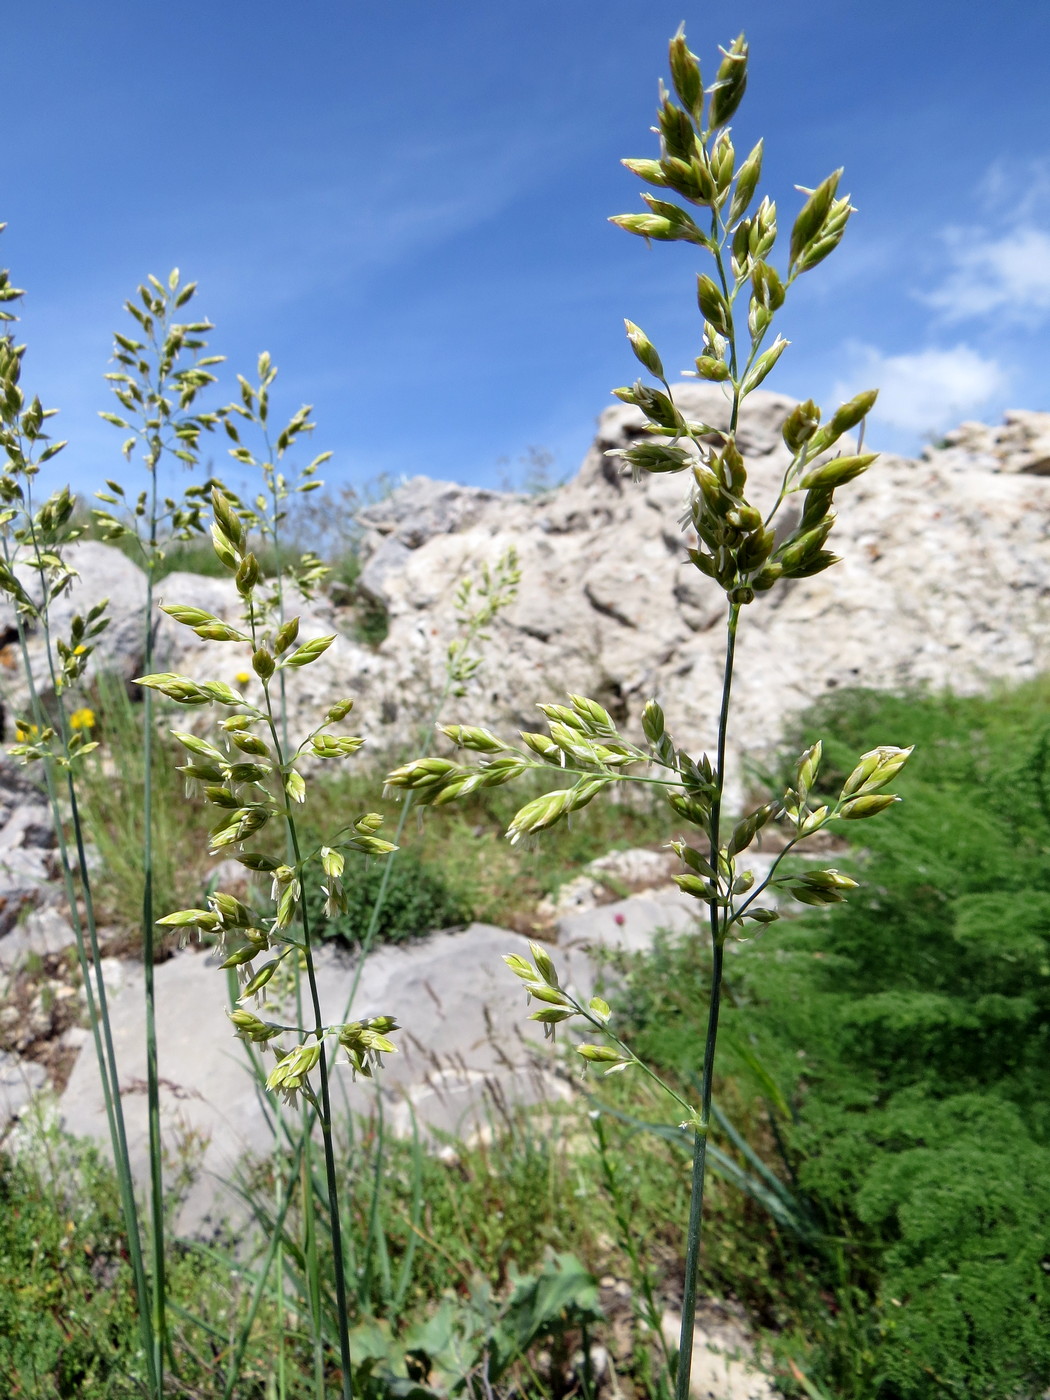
{"x": 286, "y": 635}
{"x": 707, "y": 367}
{"x": 728, "y": 89}
{"x": 175, "y": 688}
{"x": 597, "y": 720}
{"x": 260, "y": 979}
{"x": 550, "y": 996}
{"x": 263, "y": 664}
{"x": 763, "y": 365}
{"x": 197, "y": 746}
{"x": 806, "y": 770}
{"x": 692, "y": 807}
{"x": 540, "y": 744}
{"x": 851, "y": 413}
{"x": 250, "y": 743}
{"x": 653, "y": 722}
{"x": 191, "y": 918}
{"x": 685, "y": 74}
{"x": 755, "y": 550}
{"x": 255, "y": 860}
{"x": 648, "y": 226}
{"x": 247, "y": 575}
{"x": 653, "y": 457}
{"x": 541, "y": 812}
{"x": 189, "y": 617}
{"x": 816, "y": 507}
{"x": 676, "y": 130}
{"x": 814, "y": 564}
{"x": 220, "y": 796}
{"x": 468, "y": 737}
{"x": 503, "y": 770}
{"x": 746, "y": 184}
{"x": 696, "y": 886}
{"x": 867, "y": 805}
{"x": 838, "y": 471}
{"x": 723, "y": 162}
{"x": 713, "y": 304}
{"x": 830, "y": 235}
{"x": 800, "y": 425}
{"x": 601, "y": 1055}
{"x": 767, "y": 577}
{"x": 646, "y": 170}
{"x": 224, "y": 695}
{"x": 761, "y": 916}
{"x": 812, "y": 215}
{"x": 691, "y": 178}
{"x": 748, "y": 828}
{"x": 309, "y": 651}
{"x": 644, "y": 350}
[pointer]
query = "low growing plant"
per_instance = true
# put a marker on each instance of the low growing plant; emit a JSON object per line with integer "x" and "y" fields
{"x": 703, "y": 198}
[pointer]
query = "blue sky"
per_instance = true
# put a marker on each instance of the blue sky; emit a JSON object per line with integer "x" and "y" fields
{"x": 407, "y": 206}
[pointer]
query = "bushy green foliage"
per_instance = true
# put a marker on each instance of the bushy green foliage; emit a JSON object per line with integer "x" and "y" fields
{"x": 418, "y": 900}
{"x": 909, "y": 1029}
{"x": 67, "y": 1306}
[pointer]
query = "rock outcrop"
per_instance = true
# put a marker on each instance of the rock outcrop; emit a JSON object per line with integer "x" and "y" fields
{"x": 944, "y": 582}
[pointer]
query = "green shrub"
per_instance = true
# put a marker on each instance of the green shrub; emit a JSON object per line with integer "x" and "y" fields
{"x": 418, "y": 900}
{"x": 910, "y": 1030}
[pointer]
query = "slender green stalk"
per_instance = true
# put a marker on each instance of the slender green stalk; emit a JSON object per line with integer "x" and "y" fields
{"x": 97, "y": 998}
{"x": 318, "y": 1031}
{"x": 156, "y": 1163}
{"x": 717, "y": 929}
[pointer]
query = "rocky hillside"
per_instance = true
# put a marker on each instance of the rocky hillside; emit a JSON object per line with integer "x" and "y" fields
{"x": 944, "y": 581}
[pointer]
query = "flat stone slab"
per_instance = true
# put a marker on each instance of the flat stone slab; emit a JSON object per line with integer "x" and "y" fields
{"x": 466, "y": 1049}
{"x": 19, "y": 1081}
{"x": 42, "y": 932}
{"x": 630, "y": 924}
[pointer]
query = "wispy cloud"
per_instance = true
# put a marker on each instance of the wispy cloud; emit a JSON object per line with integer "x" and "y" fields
{"x": 928, "y": 390}
{"x": 999, "y": 271}
{"x": 995, "y": 278}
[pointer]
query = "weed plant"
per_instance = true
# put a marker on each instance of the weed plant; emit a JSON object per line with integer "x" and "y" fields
{"x": 736, "y": 546}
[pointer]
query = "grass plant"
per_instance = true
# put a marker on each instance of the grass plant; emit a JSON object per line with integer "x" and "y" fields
{"x": 737, "y": 548}
{"x": 157, "y": 382}
{"x": 874, "y": 1119}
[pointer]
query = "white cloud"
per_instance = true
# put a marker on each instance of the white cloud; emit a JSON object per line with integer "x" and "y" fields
{"x": 926, "y": 391}
{"x": 1020, "y": 186}
{"x": 1004, "y": 278}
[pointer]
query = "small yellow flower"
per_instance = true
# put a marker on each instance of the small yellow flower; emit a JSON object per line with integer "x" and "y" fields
{"x": 25, "y": 732}
{"x": 82, "y": 719}
{"x": 242, "y": 678}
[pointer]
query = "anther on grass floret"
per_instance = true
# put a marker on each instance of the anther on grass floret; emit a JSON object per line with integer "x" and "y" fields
{"x": 289, "y": 1074}
{"x": 365, "y": 1042}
